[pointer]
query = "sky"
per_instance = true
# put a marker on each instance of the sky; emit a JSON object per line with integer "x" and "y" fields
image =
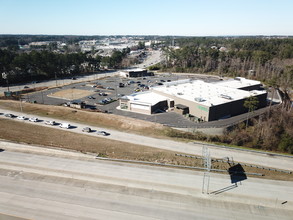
{"x": 147, "y": 17}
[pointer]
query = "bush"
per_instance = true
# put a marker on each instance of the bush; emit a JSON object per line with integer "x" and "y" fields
{"x": 286, "y": 144}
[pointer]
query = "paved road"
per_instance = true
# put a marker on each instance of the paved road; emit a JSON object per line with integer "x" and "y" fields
{"x": 153, "y": 57}
{"x": 189, "y": 148}
{"x": 47, "y": 186}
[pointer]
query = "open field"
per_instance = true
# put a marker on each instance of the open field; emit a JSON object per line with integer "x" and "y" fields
{"x": 71, "y": 94}
{"x": 45, "y": 136}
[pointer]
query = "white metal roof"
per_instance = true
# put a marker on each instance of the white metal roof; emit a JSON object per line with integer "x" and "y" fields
{"x": 148, "y": 97}
{"x": 133, "y": 70}
{"x": 238, "y": 82}
{"x": 207, "y": 94}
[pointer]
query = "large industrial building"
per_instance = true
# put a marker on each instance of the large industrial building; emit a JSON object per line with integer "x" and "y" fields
{"x": 205, "y": 101}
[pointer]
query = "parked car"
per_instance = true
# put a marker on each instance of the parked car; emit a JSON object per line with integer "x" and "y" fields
{"x": 50, "y": 122}
{"x": 91, "y": 97}
{"x": 64, "y": 125}
{"x": 21, "y": 117}
{"x": 33, "y": 119}
{"x": 9, "y": 115}
{"x": 104, "y": 133}
{"x": 87, "y": 129}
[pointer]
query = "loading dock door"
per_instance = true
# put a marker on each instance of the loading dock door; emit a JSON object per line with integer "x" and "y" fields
{"x": 140, "y": 108}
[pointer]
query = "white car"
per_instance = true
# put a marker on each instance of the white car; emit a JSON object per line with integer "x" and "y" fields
{"x": 104, "y": 133}
{"x": 21, "y": 117}
{"x": 64, "y": 125}
{"x": 33, "y": 119}
{"x": 50, "y": 122}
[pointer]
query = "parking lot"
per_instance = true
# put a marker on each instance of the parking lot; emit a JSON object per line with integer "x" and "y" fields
{"x": 103, "y": 95}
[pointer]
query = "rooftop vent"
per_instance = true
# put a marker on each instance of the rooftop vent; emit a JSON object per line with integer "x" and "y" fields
{"x": 180, "y": 93}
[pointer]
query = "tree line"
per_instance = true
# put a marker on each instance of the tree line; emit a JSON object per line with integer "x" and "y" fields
{"x": 40, "y": 65}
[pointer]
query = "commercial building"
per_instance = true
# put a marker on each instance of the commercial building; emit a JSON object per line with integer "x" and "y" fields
{"x": 145, "y": 103}
{"x": 135, "y": 73}
{"x": 205, "y": 101}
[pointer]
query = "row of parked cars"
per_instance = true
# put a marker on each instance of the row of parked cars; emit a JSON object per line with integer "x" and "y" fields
{"x": 52, "y": 123}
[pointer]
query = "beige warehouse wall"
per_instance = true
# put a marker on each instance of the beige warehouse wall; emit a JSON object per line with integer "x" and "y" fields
{"x": 200, "y": 111}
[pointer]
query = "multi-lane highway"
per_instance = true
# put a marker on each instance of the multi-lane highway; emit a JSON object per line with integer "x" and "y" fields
{"x": 48, "y": 186}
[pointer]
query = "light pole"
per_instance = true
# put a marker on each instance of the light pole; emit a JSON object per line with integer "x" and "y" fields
{"x": 42, "y": 97}
{"x": 4, "y": 76}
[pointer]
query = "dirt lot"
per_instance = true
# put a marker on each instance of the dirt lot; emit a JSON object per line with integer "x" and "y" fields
{"x": 38, "y": 135}
{"x": 71, "y": 94}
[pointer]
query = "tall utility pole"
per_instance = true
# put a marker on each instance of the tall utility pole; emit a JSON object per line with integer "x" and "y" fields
{"x": 207, "y": 162}
{"x": 56, "y": 79}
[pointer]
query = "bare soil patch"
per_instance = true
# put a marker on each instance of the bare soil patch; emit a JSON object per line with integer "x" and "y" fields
{"x": 71, "y": 94}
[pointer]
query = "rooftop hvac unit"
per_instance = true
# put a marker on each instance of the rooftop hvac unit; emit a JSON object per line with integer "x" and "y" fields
{"x": 199, "y": 99}
{"x": 226, "y": 96}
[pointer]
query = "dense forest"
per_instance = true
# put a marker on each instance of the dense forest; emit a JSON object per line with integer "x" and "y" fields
{"x": 265, "y": 59}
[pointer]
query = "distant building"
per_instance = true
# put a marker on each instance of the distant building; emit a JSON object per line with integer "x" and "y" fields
{"x": 135, "y": 73}
{"x": 77, "y": 104}
{"x": 223, "y": 49}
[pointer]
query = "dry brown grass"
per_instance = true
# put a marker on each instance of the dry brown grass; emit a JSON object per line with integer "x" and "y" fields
{"x": 33, "y": 134}
{"x": 46, "y": 136}
{"x": 91, "y": 118}
{"x": 71, "y": 94}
